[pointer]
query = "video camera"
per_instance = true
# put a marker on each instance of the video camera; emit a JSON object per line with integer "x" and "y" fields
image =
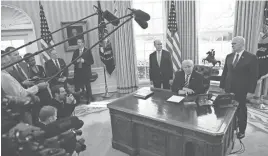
{"x": 12, "y": 107}
{"x": 60, "y": 134}
{"x": 57, "y": 138}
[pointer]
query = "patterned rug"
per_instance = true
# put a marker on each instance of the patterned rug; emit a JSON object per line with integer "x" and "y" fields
{"x": 258, "y": 118}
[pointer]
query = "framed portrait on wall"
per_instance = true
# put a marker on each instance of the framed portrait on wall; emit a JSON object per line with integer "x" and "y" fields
{"x": 71, "y": 31}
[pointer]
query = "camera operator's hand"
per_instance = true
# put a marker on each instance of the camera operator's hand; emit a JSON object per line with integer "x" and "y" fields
{"x": 170, "y": 82}
{"x": 25, "y": 130}
{"x": 70, "y": 99}
{"x": 28, "y": 83}
{"x": 42, "y": 85}
{"x": 36, "y": 77}
{"x": 53, "y": 152}
{"x": 34, "y": 98}
{"x": 80, "y": 145}
{"x": 62, "y": 79}
{"x": 82, "y": 60}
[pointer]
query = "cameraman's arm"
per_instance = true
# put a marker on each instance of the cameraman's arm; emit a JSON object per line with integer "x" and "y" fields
{"x": 12, "y": 87}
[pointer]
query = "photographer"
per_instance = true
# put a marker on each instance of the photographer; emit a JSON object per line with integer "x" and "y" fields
{"x": 47, "y": 115}
{"x": 16, "y": 142}
{"x": 64, "y": 103}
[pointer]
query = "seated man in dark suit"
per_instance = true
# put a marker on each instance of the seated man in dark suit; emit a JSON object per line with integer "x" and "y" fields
{"x": 47, "y": 115}
{"x": 53, "y": 66}
{"x": 188, "y": 81}
{"x": 64, "y": 103}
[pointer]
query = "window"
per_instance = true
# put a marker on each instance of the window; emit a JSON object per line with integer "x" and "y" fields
{"x": 15, "y": 44}
{"x": 144, "y": 37}
{"x": 216, "y": 23}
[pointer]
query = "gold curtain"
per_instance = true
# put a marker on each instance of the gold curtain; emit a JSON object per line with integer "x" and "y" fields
{"x": 248, "y": 22}
{"x": 124, "y": 51}
{"x": 187, "y": 29}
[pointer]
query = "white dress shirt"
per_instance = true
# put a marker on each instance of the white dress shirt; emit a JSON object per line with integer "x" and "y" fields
{"x": 18, "y": 68}
{"x": 12, "y": 87}
{"x": 185, "y": 76}
{"x": 158, "y": 56}
{"x": 56, "y": 62}
{"x": 240, "y": 54}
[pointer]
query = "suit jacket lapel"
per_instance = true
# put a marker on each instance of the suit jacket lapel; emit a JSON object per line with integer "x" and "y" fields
{"x": 54, "y": 64}
{"x": 241, "y": 60}
{"x": 155, "y": 56}
{"x": 162, "y": 58}
{"x": 16, "y": 74}
{"x": 192, "y": 77}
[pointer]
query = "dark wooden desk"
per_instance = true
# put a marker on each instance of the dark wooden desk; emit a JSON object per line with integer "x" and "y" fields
{"x": 155, "y": 127}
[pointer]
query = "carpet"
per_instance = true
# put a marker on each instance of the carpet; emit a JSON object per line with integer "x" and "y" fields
{"x": 93, "y": 107}
{"x": 258, "y": 119}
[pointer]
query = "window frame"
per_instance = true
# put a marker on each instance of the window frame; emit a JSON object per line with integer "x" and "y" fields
{"x": 153, "y": 36}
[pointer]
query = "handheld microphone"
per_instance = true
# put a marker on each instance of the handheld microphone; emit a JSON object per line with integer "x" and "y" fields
{"x": 108, "y": 16}
{"x": 140, "y": 14}
{"x": 142, "y": 23}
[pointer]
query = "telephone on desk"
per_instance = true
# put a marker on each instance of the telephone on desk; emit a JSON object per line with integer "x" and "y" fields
{"x": 225, "y": 99}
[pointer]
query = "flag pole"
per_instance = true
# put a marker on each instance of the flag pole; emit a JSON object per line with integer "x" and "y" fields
{"x": 106, "y": 94}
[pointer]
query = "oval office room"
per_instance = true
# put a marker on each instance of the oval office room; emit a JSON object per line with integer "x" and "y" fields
{"x": 141, "y": 78}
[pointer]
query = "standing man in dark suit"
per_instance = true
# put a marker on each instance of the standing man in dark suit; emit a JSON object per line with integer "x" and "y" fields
{"x": 188, "y": 81}
{"x": 239, "y": 76}
{"x": 160, "y": 67}
{"x": 20, "y": 70}
{"x": 35, "y": 71}
{"x": 53, "y": 66}
{"x": 82, "y": 69}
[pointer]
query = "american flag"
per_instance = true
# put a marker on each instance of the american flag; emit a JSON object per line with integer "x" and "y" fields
{"x": 46, "y": 41}
{"x": 173, "y": 42}
{"x": 105, "y": 47}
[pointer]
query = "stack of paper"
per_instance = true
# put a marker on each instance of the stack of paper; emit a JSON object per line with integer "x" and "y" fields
{"x": 143, "y": 93}
{"x": 176, "y": 99}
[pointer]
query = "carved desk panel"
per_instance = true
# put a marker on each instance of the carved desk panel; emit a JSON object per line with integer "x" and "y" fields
{"x": 155, "y": 127}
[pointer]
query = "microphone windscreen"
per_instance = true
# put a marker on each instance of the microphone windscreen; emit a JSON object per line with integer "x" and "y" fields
{"x": 111, "y": 17}
{"x": 142, "y": 23}
{"x": 63, "y": 125}
{"x": 141, "y": 15}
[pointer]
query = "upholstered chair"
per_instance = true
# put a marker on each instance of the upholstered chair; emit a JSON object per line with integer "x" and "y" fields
{"x": 208, "y": 73}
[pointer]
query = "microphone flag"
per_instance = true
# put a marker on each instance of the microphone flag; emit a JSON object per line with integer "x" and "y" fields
{"x": 105, "y": 47}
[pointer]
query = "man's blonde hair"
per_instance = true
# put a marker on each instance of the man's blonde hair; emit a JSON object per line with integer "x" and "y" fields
{"x": 187, "y": 61}
{"x": 46, "y": 112}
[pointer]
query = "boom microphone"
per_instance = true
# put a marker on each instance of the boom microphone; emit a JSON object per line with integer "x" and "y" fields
{"x": 140, "y": 14}
{"x": 108, "y": 16}
{"x": 141, "y": 23}
{"x": 111, "y": 17}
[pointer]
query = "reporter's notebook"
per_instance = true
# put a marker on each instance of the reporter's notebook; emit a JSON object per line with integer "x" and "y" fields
{"x": 143, "y": 93}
